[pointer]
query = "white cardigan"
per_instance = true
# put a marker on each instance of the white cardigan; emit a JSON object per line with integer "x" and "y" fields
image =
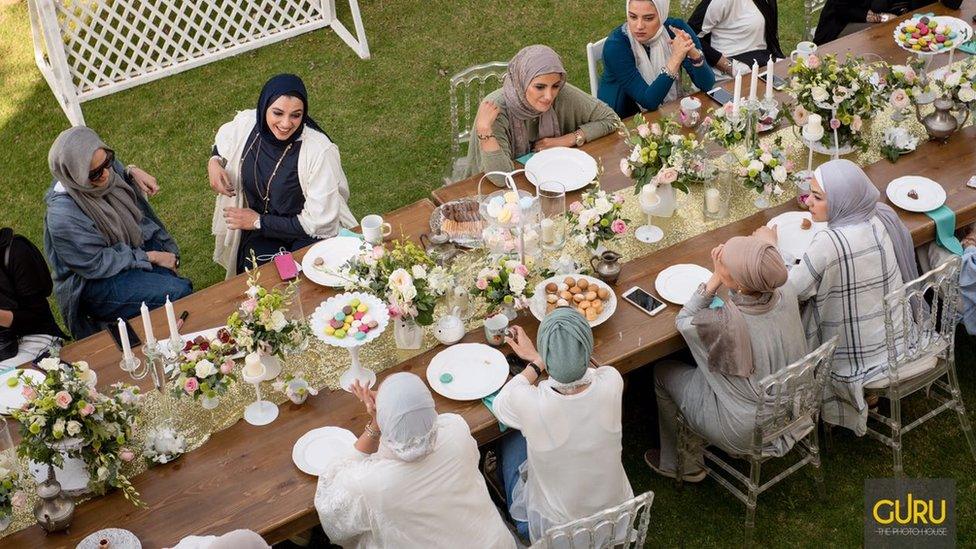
{"x": 319, "y": 173}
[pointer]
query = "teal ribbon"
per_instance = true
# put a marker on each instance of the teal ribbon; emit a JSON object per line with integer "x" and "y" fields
{"x": 945, "y": 228}
{"x": 347, "y": 232}
{"x": 524, "y": 159}
{"x": 716, "y": 303}
{"x": 489, "y": 402}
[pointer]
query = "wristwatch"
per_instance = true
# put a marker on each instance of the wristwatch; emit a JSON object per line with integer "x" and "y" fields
{"x": 580, "y": 137}
{"x": 257, "y": 223}
{"x": 220, "y": 160}
{"x": 535, "y": 368}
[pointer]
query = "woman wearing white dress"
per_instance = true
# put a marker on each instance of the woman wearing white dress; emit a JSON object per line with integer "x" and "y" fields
{"x": 566, "y": 462}
{"x": 744, "y": 30}
{"x": 278, "y": 179}
{"x": 414, "y": 481}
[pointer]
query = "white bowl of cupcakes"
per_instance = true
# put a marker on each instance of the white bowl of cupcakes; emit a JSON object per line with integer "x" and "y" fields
{"x": 590, "y": 296}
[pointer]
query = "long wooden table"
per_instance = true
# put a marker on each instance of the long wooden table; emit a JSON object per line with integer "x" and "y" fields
{"x": 243, "y": 477}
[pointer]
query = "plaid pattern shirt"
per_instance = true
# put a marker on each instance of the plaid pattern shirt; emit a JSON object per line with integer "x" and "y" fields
{"x": 843, "y": 278}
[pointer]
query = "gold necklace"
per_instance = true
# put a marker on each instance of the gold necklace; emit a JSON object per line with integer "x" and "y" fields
{"x": 267, "y": 192}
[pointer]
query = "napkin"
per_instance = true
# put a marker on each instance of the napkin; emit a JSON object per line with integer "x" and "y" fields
{"x": 347, "y": 232}
{"x": 488, "y": 402}
{"x": 945, "y": 227}
{"x": 524, "y": 159}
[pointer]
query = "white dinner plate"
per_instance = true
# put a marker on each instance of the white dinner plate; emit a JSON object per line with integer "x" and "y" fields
{"x": 793, "y": 239}
{"x": 319, "y": 448}
{"x": 572, "y": 167}
{"x": 12, "y": 398}
{"x": 476, "y": 369}
{"x": 335, "y": 252}
{"x": 678, "y": 283}
{"x": 931, "y": 195}
{"x": 537, "y": 305}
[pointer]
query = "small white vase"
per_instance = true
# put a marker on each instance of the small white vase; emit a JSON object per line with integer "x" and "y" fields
{"x": 208, "y": 403}
{"x": 73, "y": 473}
{"x": 294, "y": 386}
{"x": 509, "y": 310}
{"x": 407, "y": 333}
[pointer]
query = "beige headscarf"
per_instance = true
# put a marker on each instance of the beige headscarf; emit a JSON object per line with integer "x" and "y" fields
{"x": 649, "y": 61}
{"x": 528, "y": 63}
{"x": 757, "y": 267}
{"x": 113, "y": 207}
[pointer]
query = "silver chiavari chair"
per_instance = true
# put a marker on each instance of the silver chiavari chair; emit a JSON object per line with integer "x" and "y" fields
{"x": 467, "y": 89}
{"x": 622, "y": 526}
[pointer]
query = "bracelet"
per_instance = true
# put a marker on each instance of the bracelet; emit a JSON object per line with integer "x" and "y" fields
{"x": 535, "y": 368}
{"x": 699, "y": 62}
{"x": 669, "y": 74}
{"x": 369, "y": 431}
{"x": 485, "y": 137}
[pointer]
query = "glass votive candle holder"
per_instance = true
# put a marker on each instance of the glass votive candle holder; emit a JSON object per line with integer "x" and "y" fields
{"x": 717, "y": 193}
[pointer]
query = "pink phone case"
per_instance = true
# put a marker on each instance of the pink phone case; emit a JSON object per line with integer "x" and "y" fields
{"x": 285, "y": 264}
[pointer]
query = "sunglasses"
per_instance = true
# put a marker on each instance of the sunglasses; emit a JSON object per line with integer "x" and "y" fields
{"x": 96, "y": 174}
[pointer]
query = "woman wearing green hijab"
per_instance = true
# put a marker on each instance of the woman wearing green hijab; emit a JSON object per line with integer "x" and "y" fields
{"x": 565, "y": 463}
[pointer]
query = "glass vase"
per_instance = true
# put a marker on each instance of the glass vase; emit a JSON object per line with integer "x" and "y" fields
{"x": 552, "y": 227}
{"x": 295, "y": 315}
{"x": 718, "y": 190}
{"x": 407, "y": 333}
{"x": 209, "y": 403}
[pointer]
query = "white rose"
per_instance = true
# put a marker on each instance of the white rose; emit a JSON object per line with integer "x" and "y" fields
{"x": 252, "y": 291}
{"x": 779, "y": 174}
{"x": 602, "y": 205}
{"x": 675, "y": 139}
{"x": 755, "y": 165}
{"x": 400, "y": 279}
{"x": 516, "y": 282}
{"x": 73, "y": 428}
{"x": 766, "y": 158}
{"x": 278, "y": 321}
{"x": 635, "y": 155}
{"x": 205, "y": 369}
{"x": 819, "y": 94}
{"x": 409, "y": 292}
{"x": 50, "y": 363}
{"x": 58, "y": 428}
{"x": 419, "y": 271}
{"x": 953, "y": 79}
{"x": 586, "y": 217}
{"x": 967, "y": 95}
{"x": 625, "y": 167}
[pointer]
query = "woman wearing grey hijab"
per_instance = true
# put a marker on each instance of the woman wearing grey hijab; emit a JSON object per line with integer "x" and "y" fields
{"x": 536, "y": 109}
{"x": 108, "y": 251}
{"x": 755, "y": 332}
{"x": 865, "y": 253}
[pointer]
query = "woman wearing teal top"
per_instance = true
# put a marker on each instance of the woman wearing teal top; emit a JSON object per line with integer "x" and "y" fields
{"x": 642, "y": 59}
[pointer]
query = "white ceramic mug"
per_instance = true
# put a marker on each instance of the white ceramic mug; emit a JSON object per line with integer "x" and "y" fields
{"x": 375, "y": 229}
{"x": 689, "y": 111}
{"x": 803, "y": 50}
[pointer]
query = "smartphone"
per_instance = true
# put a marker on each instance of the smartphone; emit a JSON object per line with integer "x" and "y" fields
{"x": 721, "y": 96}
{"x": 113, "y": 330}
{"x": 515, "y": 364}
{"x": 644, "y": 301}
{"x": 778, "y": 83}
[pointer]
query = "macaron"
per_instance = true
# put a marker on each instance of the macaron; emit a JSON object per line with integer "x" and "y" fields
{"x": 360, "y": 336}
{"x": 446, "y": 378}
{"x": 339, "y": 334}
{"x": 347, "y": 310}
{"x": 329, "y": 330}
{"x": 358, "y": 315}
{"x": 355, "y": 302}
{"x": 340, "y": 316}
{"x": 364, "y": 328}
{"x": 362, "y": 308}
{"x": 367, "y": 318}
{"x": 372, "y": 324}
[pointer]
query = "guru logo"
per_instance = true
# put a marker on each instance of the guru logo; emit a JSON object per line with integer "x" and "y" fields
{"x": 914, "y": 511}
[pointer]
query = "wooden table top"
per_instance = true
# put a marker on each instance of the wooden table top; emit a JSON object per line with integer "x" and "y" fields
{"x": 243, "y": 477}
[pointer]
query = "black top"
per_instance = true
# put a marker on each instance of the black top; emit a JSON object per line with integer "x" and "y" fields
{"x": 771, "y": 31}
{"x": 25, "y": 285}
{"x": 837, "y": 14}
{"x": 286, "y": 199}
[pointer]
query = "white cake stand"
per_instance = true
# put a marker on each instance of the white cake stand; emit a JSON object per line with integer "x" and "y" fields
{"x": 326, "y": 312}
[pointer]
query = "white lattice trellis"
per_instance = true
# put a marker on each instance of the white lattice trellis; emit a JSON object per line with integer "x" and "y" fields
{"x": 90, "y": 48}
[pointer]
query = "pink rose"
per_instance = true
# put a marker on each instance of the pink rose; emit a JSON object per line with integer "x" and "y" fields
{"x": 88, "y": 410}
{"x": 910, "y": 75}
{"x": 28, "y": 392}
{"x": 813, "y": 61}
{"x": 522, "y": 270}
{"x": 618, "y": 198}
{"x": 644, "y": 130}
{"x": 191, "y": 385}
{"x": 378, "y": 252}
{"x": 790, "y": 165}
{"x": 127, "y": 455}
{"x": 656, "y": 128}
{"x": 19, "y": 499}
{"x": 707, "y": 121}
{"x": 618, "y": 226}
{"x": 62, "y": 399}
{"x": 395, "y": 311}
{"x": 668, "y": 175}
{"x": 227, "y": 367}
{"x": 899, "y": 99}
{"x": 834, "y": 123}
{"x": 249, "y": 305}
{"x": 800, "y": 115}
{"x": 856, "y": 123}
{"x": 728, "y": 107}
{"x": 481, "y": 284}
{"x": 576, "y": 207}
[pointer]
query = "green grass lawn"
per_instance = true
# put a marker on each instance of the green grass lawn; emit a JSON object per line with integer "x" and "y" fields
{"x": 389, "y": 116}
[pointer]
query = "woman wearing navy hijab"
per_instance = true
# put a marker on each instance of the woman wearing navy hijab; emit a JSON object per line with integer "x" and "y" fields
{"x": 278, "y": 179}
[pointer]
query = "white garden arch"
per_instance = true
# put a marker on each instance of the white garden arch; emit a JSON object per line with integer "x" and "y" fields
{"x": 91, "y": 48}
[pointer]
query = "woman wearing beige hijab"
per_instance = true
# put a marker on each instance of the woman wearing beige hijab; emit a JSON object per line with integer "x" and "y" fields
{"x": 756, "y": 332}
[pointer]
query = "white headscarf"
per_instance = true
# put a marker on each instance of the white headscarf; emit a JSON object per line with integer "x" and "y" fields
{"x": 406, "y": 417}
{"x": 649, "y": 63}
